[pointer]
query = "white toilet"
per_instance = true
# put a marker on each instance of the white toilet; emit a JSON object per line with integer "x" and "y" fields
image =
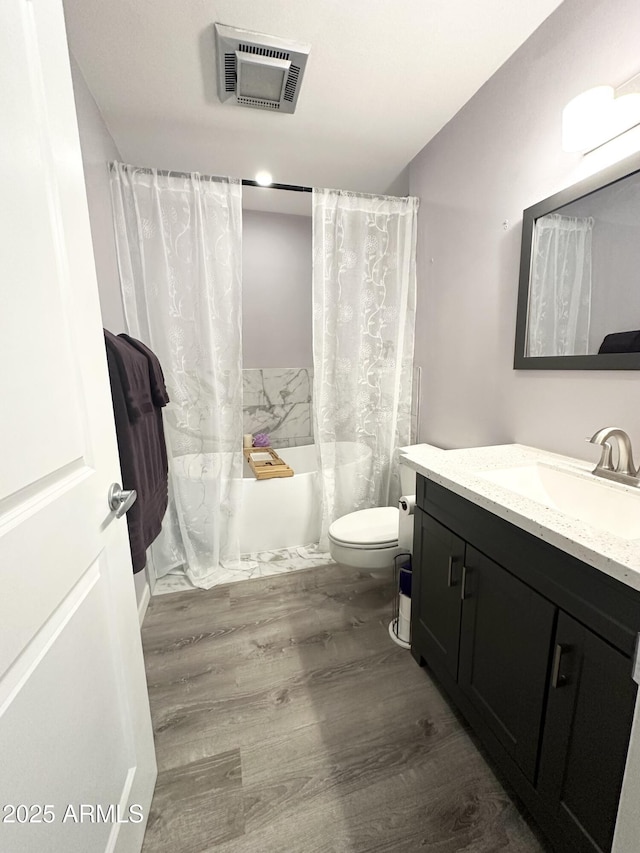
{"x": 370, "y": 538}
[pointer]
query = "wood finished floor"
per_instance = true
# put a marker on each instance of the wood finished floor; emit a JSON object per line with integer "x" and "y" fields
{"x": 286, "y": 721}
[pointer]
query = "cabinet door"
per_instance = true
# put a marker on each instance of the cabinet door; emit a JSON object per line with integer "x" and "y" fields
{"x": 586, "y": 734}
{"x": 438, "y": 558}
{"x": 505, "y": 645}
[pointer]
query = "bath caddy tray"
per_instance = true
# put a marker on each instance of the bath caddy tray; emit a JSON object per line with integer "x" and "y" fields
{"x": 266, "y": 464}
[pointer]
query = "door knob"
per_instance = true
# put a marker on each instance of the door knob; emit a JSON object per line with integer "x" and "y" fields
{"x": 120, "y": 501}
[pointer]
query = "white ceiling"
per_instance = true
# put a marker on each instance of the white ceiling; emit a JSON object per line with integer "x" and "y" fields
{"x": 383, "y": 77}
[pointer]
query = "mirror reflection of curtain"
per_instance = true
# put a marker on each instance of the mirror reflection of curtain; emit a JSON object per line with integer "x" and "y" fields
{"x": 364, "y": 295}
{"x": 179, "y": 246}
{"x": 560, "y": 293}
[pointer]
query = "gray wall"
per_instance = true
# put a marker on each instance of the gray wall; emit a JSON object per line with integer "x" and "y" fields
{"x": 276, "y": 290}
{"x": 98, "y": 148}
{"x": 615, "y": 305}
{"x": 615, "y": 252}
{"x": 500, "y": 154}
{"x": 276, "y": 256}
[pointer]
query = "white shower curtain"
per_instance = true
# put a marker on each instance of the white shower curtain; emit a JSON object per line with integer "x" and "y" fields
{"x": 179, "y": 244}
{"x": 560, "y": 295}
{"x": 364, "y": 292}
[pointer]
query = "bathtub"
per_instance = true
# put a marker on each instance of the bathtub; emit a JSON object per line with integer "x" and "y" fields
{"x": 279, "y": 513}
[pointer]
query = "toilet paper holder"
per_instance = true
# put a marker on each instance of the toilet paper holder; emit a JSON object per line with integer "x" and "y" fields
{"x": 406, "y": 509}
{"x": 400, "y": 625}
{"x": 407, "y": 504}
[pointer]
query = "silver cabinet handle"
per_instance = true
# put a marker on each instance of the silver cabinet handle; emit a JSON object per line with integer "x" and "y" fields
{"x": 120, "y": 501}
{"x": 557, "y": 680}
{"x": 463, "y": 588}
{"x": 450, "y": 580}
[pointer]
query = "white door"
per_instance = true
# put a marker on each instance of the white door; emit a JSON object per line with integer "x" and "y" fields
{"x": 77, "y": 765}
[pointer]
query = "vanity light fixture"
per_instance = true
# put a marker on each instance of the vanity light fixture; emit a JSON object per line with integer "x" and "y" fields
{"x": 600, "y": 114}
{"x": 264, "y": 178}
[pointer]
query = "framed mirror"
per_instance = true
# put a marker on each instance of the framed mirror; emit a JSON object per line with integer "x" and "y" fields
{"x": 579, "y": 291}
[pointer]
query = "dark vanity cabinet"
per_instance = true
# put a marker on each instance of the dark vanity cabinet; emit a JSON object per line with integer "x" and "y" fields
{"x": 534, "y": 648}
{"x": 505, "y": 636}
{"x": 436, "y": 621}
{"x": 586, "y": 734}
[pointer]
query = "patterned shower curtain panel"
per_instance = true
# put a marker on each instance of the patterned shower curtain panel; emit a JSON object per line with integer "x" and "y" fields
{"x": 179, "y": 246}
{"x": 364, "y": 300}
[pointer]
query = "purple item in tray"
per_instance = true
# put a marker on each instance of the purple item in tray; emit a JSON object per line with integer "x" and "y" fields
{"x": 261, "y": 439}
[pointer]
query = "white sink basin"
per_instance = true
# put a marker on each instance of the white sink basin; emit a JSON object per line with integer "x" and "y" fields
{"x": 612, "y": 508}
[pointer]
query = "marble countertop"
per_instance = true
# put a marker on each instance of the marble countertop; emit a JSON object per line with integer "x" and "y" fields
{"x": 457, "y": 470}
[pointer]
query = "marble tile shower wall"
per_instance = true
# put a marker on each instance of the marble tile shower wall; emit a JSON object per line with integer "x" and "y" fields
{"x": 277, "y": 400}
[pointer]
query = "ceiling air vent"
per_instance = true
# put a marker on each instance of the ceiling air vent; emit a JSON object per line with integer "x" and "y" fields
{"x": 259, "y": 71}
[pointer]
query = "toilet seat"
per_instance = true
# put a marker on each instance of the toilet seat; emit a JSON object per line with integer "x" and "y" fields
{"x": 367, "y": 529}
{"x": 366, "y": 539}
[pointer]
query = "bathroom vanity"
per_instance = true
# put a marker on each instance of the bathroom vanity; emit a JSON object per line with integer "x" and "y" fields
{"x": 528, "y": 616}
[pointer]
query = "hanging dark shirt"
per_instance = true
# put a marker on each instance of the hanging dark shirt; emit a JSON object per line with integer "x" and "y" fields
{"x": 138, "y": 393}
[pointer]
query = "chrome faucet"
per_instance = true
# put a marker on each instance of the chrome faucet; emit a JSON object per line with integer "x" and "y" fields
{"x": 625, "y": 471}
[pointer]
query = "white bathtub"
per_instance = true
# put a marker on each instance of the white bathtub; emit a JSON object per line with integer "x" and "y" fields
{"x": 279, "y": 513}
{"x": 282, "y": 512}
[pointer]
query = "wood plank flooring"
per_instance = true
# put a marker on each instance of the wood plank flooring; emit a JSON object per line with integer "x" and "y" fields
{"x": 286, "y": 721}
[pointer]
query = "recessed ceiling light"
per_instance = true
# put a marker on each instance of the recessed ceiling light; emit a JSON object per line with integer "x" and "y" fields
{"x": 263, "y": 178}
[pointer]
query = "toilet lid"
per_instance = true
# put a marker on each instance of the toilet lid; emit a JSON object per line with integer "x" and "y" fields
{"x": 378, "y": 526}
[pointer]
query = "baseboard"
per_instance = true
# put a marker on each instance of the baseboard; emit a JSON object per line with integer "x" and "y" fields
{"x": 145, "y": 598}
